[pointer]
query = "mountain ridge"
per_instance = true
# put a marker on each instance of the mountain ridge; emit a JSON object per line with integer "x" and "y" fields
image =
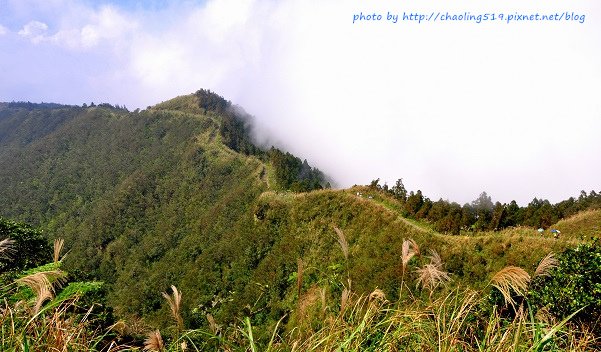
{"x": 178, "y": 194}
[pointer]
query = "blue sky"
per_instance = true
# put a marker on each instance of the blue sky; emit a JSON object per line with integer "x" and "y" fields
{"x": 453, "y": 108}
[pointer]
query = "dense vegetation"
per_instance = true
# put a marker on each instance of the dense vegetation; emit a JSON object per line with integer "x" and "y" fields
{"x": 152, "y": 197}
{"x": 179, "y": 194}
{"x": 573, "y": 286}
{"x": 44, "y": 309}
{"x": 236, "y": 132}
{"x": 31, "y": 245}
{"x": 235, "y": 127}
{"x": 482, "y": 214}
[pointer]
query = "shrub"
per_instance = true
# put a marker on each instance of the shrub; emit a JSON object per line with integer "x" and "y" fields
{"x": 29, "y": 247}
{"x": 575, "y": 283}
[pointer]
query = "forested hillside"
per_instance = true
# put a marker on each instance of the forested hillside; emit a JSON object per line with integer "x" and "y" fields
{"x": 134, "y": 193}
{"x": 180, "y": 194}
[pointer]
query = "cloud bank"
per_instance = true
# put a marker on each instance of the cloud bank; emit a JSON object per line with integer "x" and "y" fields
{"x": 453, "y": 108}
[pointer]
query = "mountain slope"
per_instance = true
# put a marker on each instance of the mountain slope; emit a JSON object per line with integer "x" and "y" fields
{"x": 135, "y": 193}
{"x": 107, "y": 179}
{"x": 583, "y": 225}
{"x": 179, "y": 195}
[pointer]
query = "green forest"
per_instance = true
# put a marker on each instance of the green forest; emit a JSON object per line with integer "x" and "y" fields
{"x": 482, "y": 214}
{"x": 171, "y": 229}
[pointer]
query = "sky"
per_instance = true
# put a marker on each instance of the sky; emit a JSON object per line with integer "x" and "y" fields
{"x": 452, "y": 107}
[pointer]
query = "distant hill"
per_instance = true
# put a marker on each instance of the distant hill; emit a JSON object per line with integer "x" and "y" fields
{"x": 583, "y": 225}
{"x": 179, "y": 194}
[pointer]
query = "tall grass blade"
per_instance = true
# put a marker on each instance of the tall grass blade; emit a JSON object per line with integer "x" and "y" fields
{"x": 58, "y": 247}
{"x": 299, "y": 276}
{"x": 342, "y": 242}
{"x": 274, "y": 334}
{"x": 174, "y": 302}
{"x": 539, "y": 346}
{"x": 249, "y": 334}
{"x": 546, "y": 265}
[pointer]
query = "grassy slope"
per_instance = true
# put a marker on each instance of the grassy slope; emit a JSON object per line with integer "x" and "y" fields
{"x": 583, "y": 225}
{"x": 292, "y": 226}
{"x": 375, "y": 234}
{"x": 154, "y": 199}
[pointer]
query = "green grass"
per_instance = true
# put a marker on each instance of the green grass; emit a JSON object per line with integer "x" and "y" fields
{"x": 583, "y": 225}
{"x": 453, "y": 320}
{"x": 184, "y": 103}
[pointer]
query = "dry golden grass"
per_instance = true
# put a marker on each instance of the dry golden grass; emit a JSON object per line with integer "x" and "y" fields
{"x": 120, "y": 327}
{"x": 58, "y": 247}
{"x": 342, "y": 241}
{"x": 6, "y": 248}
{"x": 451, "y": 317}
{"x": 322, "y": 296}
{"x": 432, "y": 275}
{"x": 299, "y": 275}
{"x": 543, "y": 315}
{"x": 154, "y": 342}
{"x": 345, "y": 297}
{"x": 306, "y": 302}
{"x": 212, "y": 324}
{"x": 175, "y": 303}
{"x": 583, "y": 215}
{"x": 409, "y": 250}
{"x": 42, "y": 285}
{"x": 377, "y": 295}
{"x": 511, "y": 278}
{"x": 546, "y": 265}
{"x": 581, "y": 225}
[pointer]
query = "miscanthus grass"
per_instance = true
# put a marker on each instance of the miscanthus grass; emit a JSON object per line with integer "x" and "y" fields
{"x": 441, "y": 319}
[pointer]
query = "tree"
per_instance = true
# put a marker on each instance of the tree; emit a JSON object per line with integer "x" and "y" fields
{"x": 414, "y": 202}
{"x": 468, "y": 216}
{"x": 513, "y": 214}
{"x": 499, "y": 215}
{"x": 375, "y": 184}
{"x": 439, "y": 210}
{"x": 293, "y": 174}
{"x": 423, "y": 211}
{"x": 547, "y": 214}
{"x": 540, "y": 213}
{"x": 399, "y": 191}
{"x": 483, "y": 202}
{"x": 451, "y": 222}
{"x": 483, "y": 207}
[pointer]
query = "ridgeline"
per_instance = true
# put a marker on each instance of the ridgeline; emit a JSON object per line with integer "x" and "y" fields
{"x": 179, "y": 194}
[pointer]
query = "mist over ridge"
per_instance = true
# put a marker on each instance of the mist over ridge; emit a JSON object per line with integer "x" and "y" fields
{"x": 454, "y": 109}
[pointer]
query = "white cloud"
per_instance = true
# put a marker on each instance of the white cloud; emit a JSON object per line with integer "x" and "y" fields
{"x": 453, "y": 108}
{"x": 90, "y": 29}
{"x": 34, "y": 31}
{"x": 3, "y": 30}
{"x": 219, "y": 46}
{"x": 107, "y": 24}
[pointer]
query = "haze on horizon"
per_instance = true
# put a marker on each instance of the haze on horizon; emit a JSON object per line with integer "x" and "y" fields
{"x": 453, "y": 108}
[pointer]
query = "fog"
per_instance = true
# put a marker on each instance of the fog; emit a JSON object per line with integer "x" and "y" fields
{"x": 453, "y": 108}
